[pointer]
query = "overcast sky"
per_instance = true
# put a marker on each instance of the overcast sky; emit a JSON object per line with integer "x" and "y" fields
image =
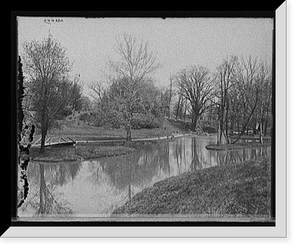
{"x": 179, "y": 42}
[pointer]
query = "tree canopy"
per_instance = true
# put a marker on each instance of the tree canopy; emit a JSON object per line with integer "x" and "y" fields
{"x": 46, "y": 66}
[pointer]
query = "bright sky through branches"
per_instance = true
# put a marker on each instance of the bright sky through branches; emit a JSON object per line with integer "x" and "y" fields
{"x": 179, "y": 42}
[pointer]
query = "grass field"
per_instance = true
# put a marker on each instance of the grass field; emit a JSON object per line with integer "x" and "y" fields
{"x": 83, "y": 132}
{"x": 236, "y": 146}
{"x": 79, "y": 153}
{"x": 88, "y": 132}
{"x": 237, "y": 190}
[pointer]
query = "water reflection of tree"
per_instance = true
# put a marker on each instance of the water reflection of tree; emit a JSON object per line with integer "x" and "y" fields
{"x": 48, "y": 204}
{"x": 195, "y": 163}
{"x": 139, "y": 168}
{"x": 62, "y": 173}
{"x": 178, "y": 151}
{"x": 45, "y": 200}
{"x": 229, "y": 157}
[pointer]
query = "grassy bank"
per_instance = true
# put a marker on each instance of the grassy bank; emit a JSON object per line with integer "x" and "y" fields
{"x": 78, "y": 153}
{"x": 84, "y": 132}
{"x": 239, "y": 190}
{"x": 88, "y": 132}
{"x": 236, "y": 146}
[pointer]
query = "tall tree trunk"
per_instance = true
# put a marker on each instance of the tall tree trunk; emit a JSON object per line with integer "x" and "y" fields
{"x": 260, "y": 133}
{"x": 254, "y": 127}
{"x": 44, "y": 127}
{"x": 170, "y": 97}
{"x": 184, "y": 113}
{"x": 227, "y": 137}
{"x": 266, "y": 123}
{"x": 128, "y": 132}
{"x": 261, "y": 126}
{"x": 232, "y": 122}
{"x": 261, "y": 113}
{"x": 245, "y": 126}
{"x": 43, "y": 139}
{"x": 129, "y": 119}
{"x": 177, "y": 109}
{"x": 194, "y": 121}
{"x": 226, "y": 129}
{"x": 219, "y": 135}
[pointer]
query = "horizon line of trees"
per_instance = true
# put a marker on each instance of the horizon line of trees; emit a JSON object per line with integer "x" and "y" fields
{"x": 238, "y": 95}
{"x": 234, "y": 97}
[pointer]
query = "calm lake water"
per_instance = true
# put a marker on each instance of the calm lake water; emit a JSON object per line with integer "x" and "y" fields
{"x": 94, "y": 188}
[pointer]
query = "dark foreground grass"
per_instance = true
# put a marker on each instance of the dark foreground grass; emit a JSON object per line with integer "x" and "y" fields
{"x": 239, "y": 190}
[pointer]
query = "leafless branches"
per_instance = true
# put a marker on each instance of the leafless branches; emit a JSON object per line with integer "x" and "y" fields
{"x": 46, "y": 60}
{"x": 196, "y": 86}
{"x": 136, "y": 59}
{"x": 136, "y": 62}
{"x": 46, "y": 65}
{"x": 97, "y": 89}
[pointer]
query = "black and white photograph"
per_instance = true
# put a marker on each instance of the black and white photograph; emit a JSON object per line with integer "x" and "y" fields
{"x": 145, "y": 120}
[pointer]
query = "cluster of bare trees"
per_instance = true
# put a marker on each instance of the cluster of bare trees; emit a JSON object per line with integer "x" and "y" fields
{"x": 237, "y": 95}
{"x": 195, "y": 86}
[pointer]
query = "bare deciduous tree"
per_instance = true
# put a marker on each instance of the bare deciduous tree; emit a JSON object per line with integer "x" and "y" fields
{"x": 249, "y": 90}
{"x": 264, "y": 85}
{"x": 97, "y": 89}
{"x": 136, "y": 62}
{"x": 224, "y": 83}
{"x": 46, "y": 66}
{"x": 197, "y": 87}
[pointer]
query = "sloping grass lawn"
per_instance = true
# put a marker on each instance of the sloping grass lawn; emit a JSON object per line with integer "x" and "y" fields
{"x": 238, "y": 190}
{"x": 84, "y": 132}
{"x": 88, "y": 132}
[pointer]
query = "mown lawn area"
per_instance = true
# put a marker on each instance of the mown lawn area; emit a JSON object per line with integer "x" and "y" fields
{"x": 84, "y": 132}
{"x": 238, "y": 190}
{"x": 88, "y": 132}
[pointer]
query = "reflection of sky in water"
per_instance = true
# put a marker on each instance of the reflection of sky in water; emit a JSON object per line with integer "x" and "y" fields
{"x": 95, "y": 188}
